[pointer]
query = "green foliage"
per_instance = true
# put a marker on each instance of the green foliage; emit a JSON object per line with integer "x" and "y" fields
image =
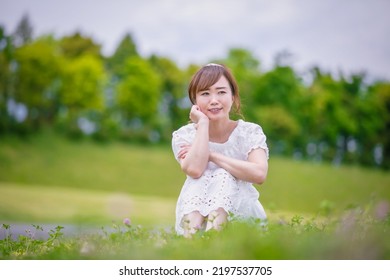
{"x": 245, "y": 68}
{"x": 81, "y": 94}
{"x": 67, "y": 82}
{"x": 126, "y": 49}
{"x": 173, "y": 90}
{"x": 139, "y": 92}
{"x": 77, "y": 45}
{"x": 36, "y": 79}
{"x": 27, "y": 246}
{"x": 6, "y": 52}
{"x": 279, "y": 102}
{"x": 82, "y": 84}
{"x": 280, "y": 86}
{"x": 279, "y": 125}
{"x": 335, "y": 107}
{"x": 377, "y": 118}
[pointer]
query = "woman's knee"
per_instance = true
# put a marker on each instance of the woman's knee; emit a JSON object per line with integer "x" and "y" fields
{"x": 195, "y": 217}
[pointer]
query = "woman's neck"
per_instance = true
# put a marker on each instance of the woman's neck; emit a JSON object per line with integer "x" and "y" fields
{"x": 220, "y": 130}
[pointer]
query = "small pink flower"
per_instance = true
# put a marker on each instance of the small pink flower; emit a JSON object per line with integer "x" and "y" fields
{"x": 382, "y": 210}
{"x": 127, "y": 222}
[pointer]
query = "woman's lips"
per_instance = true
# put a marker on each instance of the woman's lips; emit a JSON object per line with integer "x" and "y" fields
{"x": 215, "y": 110}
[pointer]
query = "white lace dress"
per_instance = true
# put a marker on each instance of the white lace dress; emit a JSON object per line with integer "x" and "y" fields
{"x": 216, "y": 187}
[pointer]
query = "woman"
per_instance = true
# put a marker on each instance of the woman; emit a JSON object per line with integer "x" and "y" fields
{"x": 221, "y": 157}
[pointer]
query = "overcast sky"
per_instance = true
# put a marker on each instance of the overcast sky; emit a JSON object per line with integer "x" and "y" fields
{"x": 347, "y": 35}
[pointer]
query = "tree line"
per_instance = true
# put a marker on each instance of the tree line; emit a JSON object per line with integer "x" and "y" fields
{"x": 69, "y": 85}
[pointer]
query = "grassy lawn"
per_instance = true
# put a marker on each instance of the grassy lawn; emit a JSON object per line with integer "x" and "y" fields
{"x": 49, "y": 160}
{"x": 43, "y": 204}
{"x": 85, "y": 181}
{"x": 316, "y": 211}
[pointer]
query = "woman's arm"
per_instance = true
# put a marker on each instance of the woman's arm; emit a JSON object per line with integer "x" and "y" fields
{"x": 195, "y": 157}
{"x": 254, "y": 170}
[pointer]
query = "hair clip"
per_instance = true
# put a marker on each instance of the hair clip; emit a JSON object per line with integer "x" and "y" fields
{"x": 214, "y": 64}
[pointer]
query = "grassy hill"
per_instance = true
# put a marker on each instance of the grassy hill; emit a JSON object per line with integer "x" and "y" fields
{"x": 46, "y": 178}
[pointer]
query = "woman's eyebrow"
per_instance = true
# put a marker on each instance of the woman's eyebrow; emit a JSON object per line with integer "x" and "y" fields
{"x": 217, "y": 88}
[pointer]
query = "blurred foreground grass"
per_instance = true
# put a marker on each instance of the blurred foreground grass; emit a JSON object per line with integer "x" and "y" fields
{"x": 354, "y": 235}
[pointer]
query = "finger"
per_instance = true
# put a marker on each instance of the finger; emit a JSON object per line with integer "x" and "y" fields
{"x": 182, "y": 156}
{"x": 182, "y": 152}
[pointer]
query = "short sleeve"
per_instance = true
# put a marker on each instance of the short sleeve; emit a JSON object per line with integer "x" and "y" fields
{"x": 255, "y": 139}
{"x": 182, "y": 136}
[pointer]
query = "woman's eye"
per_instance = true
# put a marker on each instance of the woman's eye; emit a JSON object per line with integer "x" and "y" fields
{"x": 222, "y": 92}
{"x": 204, "y": 93}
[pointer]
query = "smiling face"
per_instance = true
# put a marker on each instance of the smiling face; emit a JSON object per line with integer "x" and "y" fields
{"x": 214, "y": 89}
{"x": 217, "y": 100}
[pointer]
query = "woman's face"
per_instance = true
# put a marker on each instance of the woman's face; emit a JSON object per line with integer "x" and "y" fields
{"x": 216, "y": 101}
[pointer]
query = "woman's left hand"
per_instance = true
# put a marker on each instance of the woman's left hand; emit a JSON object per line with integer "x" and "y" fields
{"x": 183, "y": 152}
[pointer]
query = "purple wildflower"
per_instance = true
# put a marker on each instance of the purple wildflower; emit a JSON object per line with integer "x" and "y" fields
{"x": 127, "y": 222}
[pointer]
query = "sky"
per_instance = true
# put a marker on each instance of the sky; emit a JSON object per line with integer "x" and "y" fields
{"x": 350, "y": 36}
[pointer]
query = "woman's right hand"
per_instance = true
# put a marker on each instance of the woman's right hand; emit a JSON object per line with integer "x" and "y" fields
{"x": 196, "y": 115}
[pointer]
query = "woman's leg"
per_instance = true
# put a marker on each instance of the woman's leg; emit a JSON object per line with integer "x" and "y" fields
{"x": 216, "y": 219}
{"x": 192, "y": 223}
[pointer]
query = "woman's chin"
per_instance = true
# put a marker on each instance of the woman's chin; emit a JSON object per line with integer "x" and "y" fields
{"x": 216, "y": 117}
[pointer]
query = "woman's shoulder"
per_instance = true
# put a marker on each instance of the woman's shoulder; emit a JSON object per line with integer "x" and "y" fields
{"x": 248, "y": 126}
{"x": 187, "y": 129}
{"x": 252, "y": 137}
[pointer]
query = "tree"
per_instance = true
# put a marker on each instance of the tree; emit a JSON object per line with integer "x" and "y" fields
{"x": 6, "y": 55}
{"x": 77, "y": 45}
{"x": 353, "y": 94}
{"x": 278, "y": 98}
{"x": 376, "y": 124}
{"x": 126, "y": 49}
{"x": 281, "y": 86}
{"x": 280, "y": 126}
{"x": 138, "y": 94}
{"x": 324, "y": 111}
{"x": 23, "y": 33}
{"x": 36, "y": 80}
{"x": 246, "y": 69}
{"x": 173, "y": 89}
{"x": 331, "y": 114}
{"x": 82, "y": 94}
{"x": 82, "y": 84}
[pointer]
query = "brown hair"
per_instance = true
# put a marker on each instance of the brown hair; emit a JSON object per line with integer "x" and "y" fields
{"x": 208, "y": 75}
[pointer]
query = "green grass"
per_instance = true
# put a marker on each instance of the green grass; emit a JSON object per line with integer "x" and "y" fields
{"x": 316, "y": 211}
{"x": 49, "y": 160}
{"x": 42, "y": 204}
{"x": 77, "y": 180}
{"x": 358, "y": 237}
{"x": 304, "y": 186}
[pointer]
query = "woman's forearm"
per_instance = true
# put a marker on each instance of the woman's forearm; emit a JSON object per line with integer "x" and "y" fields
{"x": 195, "y": 160}
{"x": 254, "y": 170}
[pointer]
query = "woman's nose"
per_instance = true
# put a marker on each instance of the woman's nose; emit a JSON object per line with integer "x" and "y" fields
{"x": 214, "y": 99}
